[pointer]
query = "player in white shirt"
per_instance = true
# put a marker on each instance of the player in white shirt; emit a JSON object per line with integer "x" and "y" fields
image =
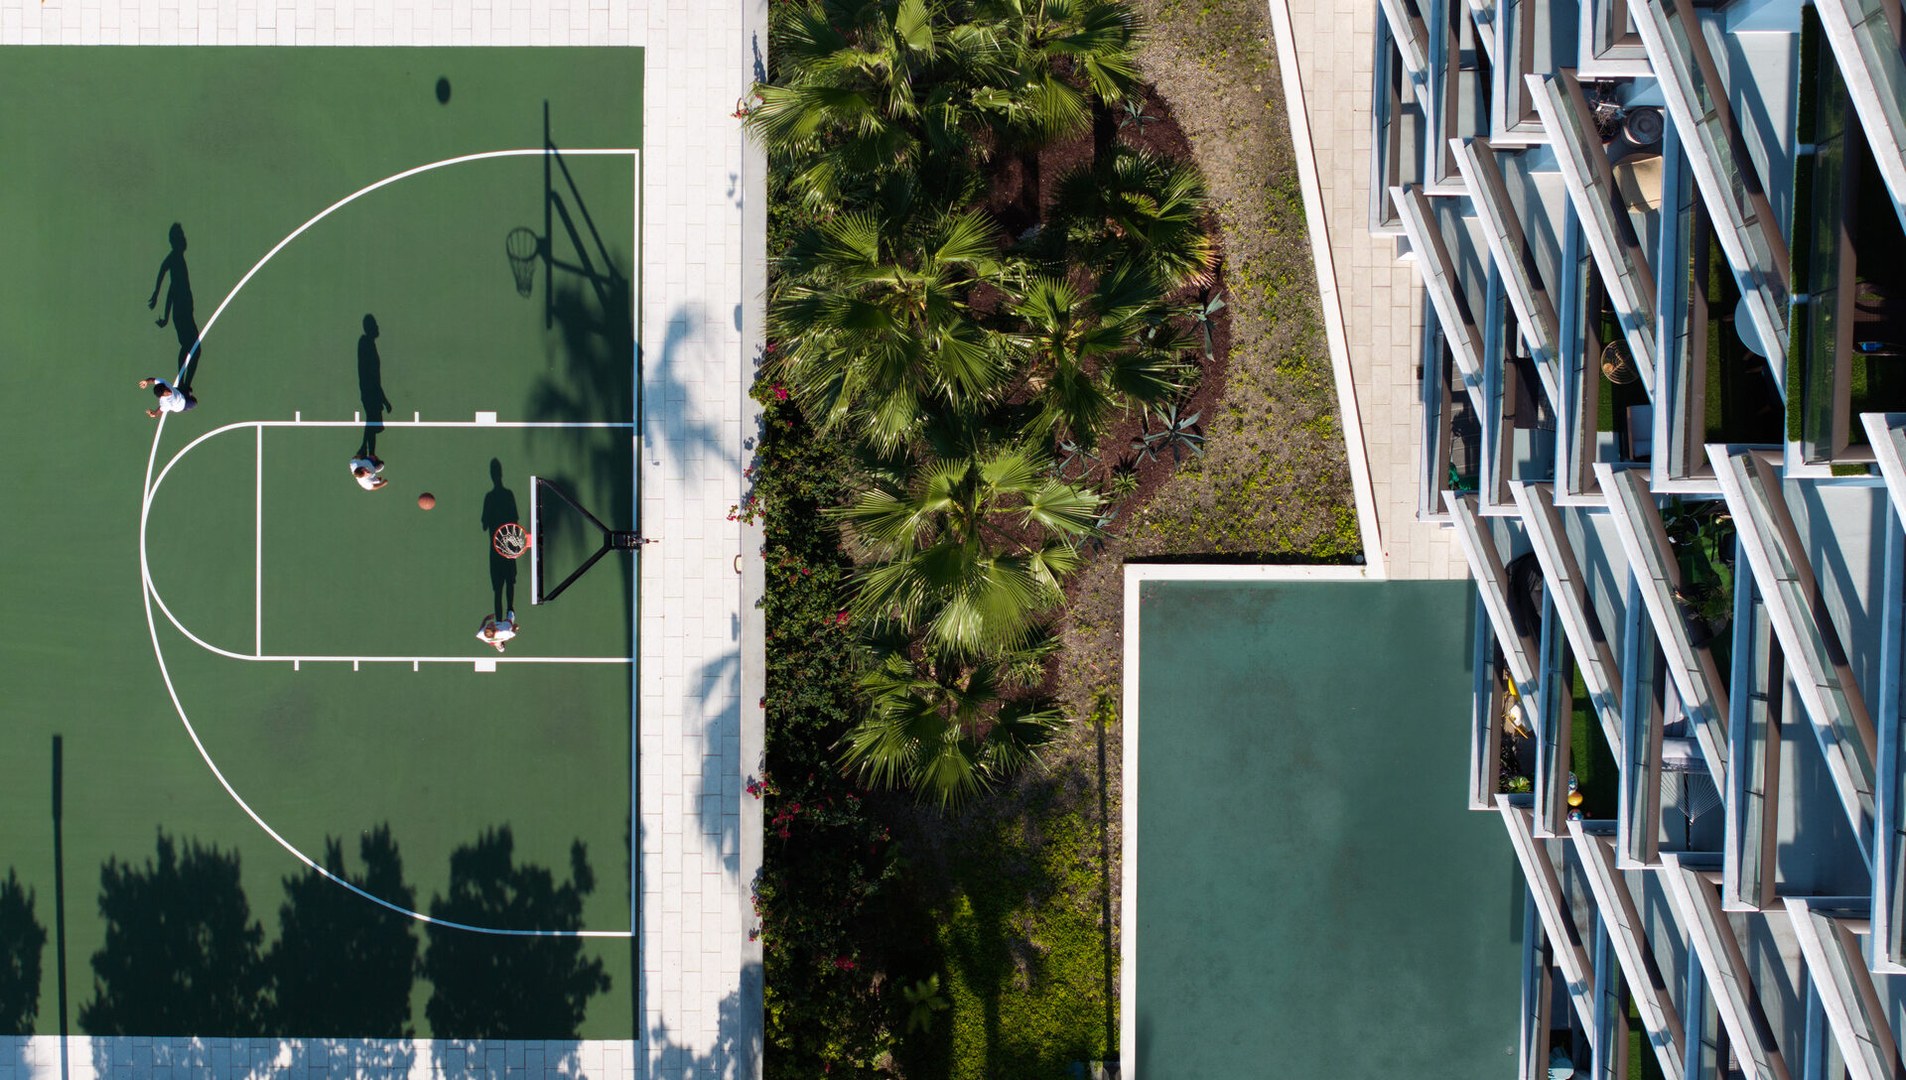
{"x": 495, "y": 631}
{"x": 365, "y": 471}
{"x": 171, "y": 399}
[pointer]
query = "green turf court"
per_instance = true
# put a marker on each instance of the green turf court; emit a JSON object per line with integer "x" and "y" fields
{"x": 313, "y": 640}
{"x": 1310, "y": 900}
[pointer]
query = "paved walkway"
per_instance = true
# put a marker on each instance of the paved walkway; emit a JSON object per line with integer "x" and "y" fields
{"x": 702, "y": 244}
{"x": 1377, "y": 299}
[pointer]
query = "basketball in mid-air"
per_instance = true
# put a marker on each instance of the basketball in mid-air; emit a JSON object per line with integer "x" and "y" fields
{"x": 426, "y": 501}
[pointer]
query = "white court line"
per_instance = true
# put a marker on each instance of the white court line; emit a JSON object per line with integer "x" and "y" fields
{"x": 150, "y": 594}
{"x": 258, "y": 553}
{"x": 258, "y": 653}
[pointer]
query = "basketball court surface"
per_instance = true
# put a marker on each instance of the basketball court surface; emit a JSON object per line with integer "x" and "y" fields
{"x": 219, "y": 642}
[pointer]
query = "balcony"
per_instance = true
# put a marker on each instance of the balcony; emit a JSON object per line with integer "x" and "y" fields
{"x": 1453, "y": 429}
{"x": 1459, "y": 92}
{"x": 1723, "y": 388}
{"x": 1399, "y": 129}
{"x": 1849, "y": 351}
{"x": 1538, "y": 36}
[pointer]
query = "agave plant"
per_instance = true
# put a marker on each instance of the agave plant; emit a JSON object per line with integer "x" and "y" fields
{"x": 1175, "y": 432}
{"x": 1201, "y": 313}
{"x": 1074, "y": 455}
{"x": 1133, "y": 114}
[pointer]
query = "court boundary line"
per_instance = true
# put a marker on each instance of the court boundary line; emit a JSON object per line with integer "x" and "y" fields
{"x": 258, "y": 553}
{"x": 258, "y": 654}
{"x": 148, "y": 595}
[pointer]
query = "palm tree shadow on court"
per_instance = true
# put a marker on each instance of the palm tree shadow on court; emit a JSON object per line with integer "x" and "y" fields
{"x": 22, "y": 942}
{"x": 370, "y": 387}
{"x": 178, "y": 305}
{"x": 181, "y": 955}
{"x": 343, "y": 966}
{"x": 487, "y": 986}
{"x": 499, "y": 508}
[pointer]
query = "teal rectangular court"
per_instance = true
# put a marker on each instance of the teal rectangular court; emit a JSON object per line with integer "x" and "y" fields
{"x": 1302, "y": 896}
{"x": 252, "y": 740}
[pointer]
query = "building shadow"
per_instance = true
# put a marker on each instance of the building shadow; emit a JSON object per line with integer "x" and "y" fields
{"x": 176, "y": 280}
{"x": 499, "y": 508}
{"x": 492, "y": 986}
{"x": 22, "y": 944}
{"x": 181, "y": 955}
{"x": 370, "y": 387}
{"x": 343, "y": 967}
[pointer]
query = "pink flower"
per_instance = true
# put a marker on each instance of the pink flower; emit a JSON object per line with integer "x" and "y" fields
{"x": 780, "y": 392}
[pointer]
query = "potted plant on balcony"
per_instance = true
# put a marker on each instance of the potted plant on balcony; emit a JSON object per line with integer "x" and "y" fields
{"x": 1703, "y": 538}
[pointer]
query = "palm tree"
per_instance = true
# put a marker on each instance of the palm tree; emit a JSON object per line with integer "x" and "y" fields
{"x": 1091, "y": 352}
{"x": 1143, "y": 208}
{"x": 1057, "y": 65}
{"x": 867, "y": 88}
{"x": 968, "y": 552}
{"x": 941, "y": 728}
{"x": 872, "y": 310}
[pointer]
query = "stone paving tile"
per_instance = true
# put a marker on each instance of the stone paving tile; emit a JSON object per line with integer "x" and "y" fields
{"x": 702, "y": 276}
{"x": 1382, "y": 301}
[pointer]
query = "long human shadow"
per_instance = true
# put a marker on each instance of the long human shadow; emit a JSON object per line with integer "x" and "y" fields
{"x": 342, "y": 966}
{"x": 176, "y": 280}
{"x": 490, "y": 986}
{"x": 499, "y": 508}
{"x": 181, "y": 955}
{"x": 370, "y": 387}
{"x": 22, "y": 942}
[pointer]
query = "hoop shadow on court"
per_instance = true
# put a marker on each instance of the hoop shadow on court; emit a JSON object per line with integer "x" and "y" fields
{"x": 370, "y": 387}
{"x": 499, "y": 508}
{"x": 176, "y": 280}
{"x": 589, "y": 303}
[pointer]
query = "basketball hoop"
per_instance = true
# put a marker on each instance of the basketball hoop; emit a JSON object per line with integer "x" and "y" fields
{"x": 509, "y": 540}
{"x": 523, "y": 246}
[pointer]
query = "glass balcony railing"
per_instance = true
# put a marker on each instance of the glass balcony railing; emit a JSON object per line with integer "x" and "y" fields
{"x": 1732, "y": 188}
{"x": 1865, "y": 36}
{"x": 1848, "y": 354}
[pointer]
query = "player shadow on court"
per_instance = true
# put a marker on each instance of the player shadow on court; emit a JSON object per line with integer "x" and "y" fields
{"x": 499, "y": 508}
{"x": 489, "y": 986}
{"x": 370, "y": 387}
{"x": 178, "y": 305}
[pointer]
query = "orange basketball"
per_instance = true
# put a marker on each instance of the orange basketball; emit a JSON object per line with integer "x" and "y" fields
{"x": 426, "y": 501}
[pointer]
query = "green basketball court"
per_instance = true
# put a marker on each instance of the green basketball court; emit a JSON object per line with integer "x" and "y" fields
{"x": 223, "y": 646}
